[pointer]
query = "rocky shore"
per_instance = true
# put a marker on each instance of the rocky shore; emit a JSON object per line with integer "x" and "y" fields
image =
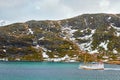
{"x": 113, "y": 62}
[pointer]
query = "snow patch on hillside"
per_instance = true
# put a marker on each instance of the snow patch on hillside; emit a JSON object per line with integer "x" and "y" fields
{"x": 30, "y": 31}
{"x": 42, "y": 38}
{"x": 93, "y": 51}
{"x": 117, "y": 34}
{"x": 109, "y": 18}
{"x": 68, "y": 32}
{"x": 37, "y": 46}
{"x": 4, "y": 50}
{"x": 87, "y": 46}
{"x": 45, "y": 55}
{"x": 117, "y": 28}
{"x": 66, "y": 58}
{"x": 115, "y": 51}
{"x": 104, "y": 44}
{"x": 87, "y": 36}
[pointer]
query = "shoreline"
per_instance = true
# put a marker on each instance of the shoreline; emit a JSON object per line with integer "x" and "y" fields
{"x": 114, "y": 62}
{"x": 109, "y": 62}
{"x": 117, "y": 62}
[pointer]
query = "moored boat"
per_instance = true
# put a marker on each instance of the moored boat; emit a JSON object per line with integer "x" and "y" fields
{"x": 91, "y": 66}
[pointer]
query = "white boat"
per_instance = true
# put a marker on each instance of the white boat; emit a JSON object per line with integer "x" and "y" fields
{"x": 95, "y": 66}
{"x": 92, "y": 66}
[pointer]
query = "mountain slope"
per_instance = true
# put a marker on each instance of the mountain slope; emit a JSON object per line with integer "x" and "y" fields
{"x": 62, "y": 40}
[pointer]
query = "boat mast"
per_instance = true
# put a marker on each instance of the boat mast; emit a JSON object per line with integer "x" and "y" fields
{"x": 85, "y": 62}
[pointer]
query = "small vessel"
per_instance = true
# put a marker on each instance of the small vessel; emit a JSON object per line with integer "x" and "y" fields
{"x": 92, "y": 66}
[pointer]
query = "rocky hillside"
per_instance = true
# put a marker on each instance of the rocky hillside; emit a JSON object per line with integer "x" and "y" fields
{"x": 62, "y": 40}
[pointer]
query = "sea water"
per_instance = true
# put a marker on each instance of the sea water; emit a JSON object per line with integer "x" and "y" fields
{"x": 55, "y": 71}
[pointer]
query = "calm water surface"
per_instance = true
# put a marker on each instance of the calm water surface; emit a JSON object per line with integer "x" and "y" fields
{"x": 55, "y": 71}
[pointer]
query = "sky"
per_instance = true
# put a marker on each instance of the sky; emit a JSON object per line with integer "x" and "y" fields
{"x": 24, "y": 10}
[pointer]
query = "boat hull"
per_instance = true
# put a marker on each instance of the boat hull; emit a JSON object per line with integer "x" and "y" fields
{"x": 92, "y": 67}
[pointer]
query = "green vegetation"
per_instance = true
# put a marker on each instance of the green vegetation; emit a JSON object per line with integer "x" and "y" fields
{"x": 17, "y": 42}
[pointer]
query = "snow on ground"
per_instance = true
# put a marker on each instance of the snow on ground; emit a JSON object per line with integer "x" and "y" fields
{"x": 91, "y": 17}
{"x": 72, "y": 39}
{"x": 84, "y": 46}
{"x": 66, "y": 58}
{"x": 37, "y": 46}
{"x": 42, "y": 38}
{"x": 69, "y": 32}
{"x": 64, "y": 37}
{"x": 117, "y": 28}
{"x": 72, "y": 60}
{"x": 4, "y": 50}
{"x": 109, "y": 18}
{"x": 82, "y": 31}
{"x": 58, "y": 59}
{"x": 94, "y": 51}
{"x": 117, "y": 34}
{"x": 88, "y": 36}
{"x": 45, "y": 55}
{"x": 17, "y": 59}
{"x": 85, "y": 37}
{"x": 87, "y": 46}
{"x": 70, "y": 47}
{"x": 90, "y": 23}
{"x": 30, "y": 31}
{"x": 93, "y": 31}
{"x": 72, "y": 31}
{"x": 43, "y": 52}
{"x": 115, "y": 51}
{"x": 104, "y": 44}
{"x": 3, "y": 59}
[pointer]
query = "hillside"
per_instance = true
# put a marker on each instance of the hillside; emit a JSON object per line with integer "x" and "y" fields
{"x": 62, "y": 40}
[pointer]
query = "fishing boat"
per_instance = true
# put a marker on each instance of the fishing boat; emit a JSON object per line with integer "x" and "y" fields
{"x": 92, "y": 65}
